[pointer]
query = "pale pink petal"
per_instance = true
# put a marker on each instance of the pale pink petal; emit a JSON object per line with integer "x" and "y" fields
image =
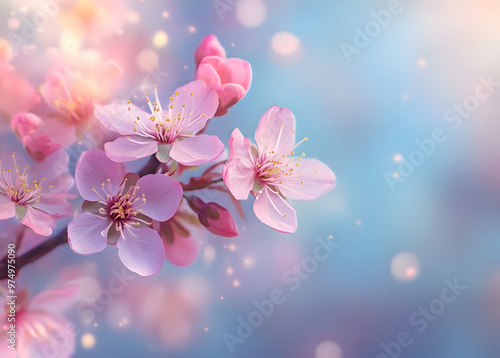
{"x": 231, "y": 70}
{"x": 117, "y": 117}
{"x": 124, "y": 149}
{"x": 241, "y": 147}
{"x": 38, "y": 145}
{"x": 276, "y": 132}
{"x": 229, "y": 95}
{"x": 56, "y": 300}
{"x": 200, "y": 102}
{"x": 7, "y": 208}
{"x": 56, "y": 205}
{"x": 85, "y": 234}
{"x": 208, "y": 74}
{"x": 275, "y": 211}
{"x": 181, "y": 248}
{"x": 55, "y": 338}
{"x": 239, "y": 178}
{"x": 141, "y": 250}
{"x": 209, "y": 46}
{"x": 316, "y": 178}
{"x": 54, "y": 169}
{"x": 196, "y": 150}
{"x": 94, "y": 168}
{"x": 163, "y": 196}
{"x": 24, "y": 123}
{"x": 41, "y": 222}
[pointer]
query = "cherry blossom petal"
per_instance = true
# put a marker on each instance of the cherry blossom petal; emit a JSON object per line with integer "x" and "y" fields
{"x": 141, "y": 250}
{"x": 239, "y": 178}
{"x": 229, "y": 95}
{"x": 209, "y": 46}
{"x": 117, "y": 117}
{"x": 56, "y": 300}
{"x": 311, "y": 179}
{"x": 196, "y": 150}
{"x": 41, "y": 222}
{"x": 54, "y": 169}
{"x": 94, "y": 168}
{"x": 181, "y": 248}
{"x": 85, "y": 234}
{"x": 200, "y": 102}
{"x": 208, "y": 74}
{"x": 7, "y": 208}
{"x": 124, "y": 149}
{"x": 54, "y": 336}
{"x": 55, "y": 204}
{"x": 163, "y": 196}
{"x": 276, "y": 132}
{"x": 275, "y": 211}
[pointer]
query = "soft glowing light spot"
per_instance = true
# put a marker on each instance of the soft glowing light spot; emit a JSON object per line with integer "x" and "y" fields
{"x": 221, "y": 298}
{"x": 165, "y": 14}
{"x": 192, "y": 29}
{"x": 358, "y": 222}
{"x": 14, "y": 23}
{"x": 95, "y": 324}
{"x": 236, "y": 283}
{"x": 206, "y": 329}
{"x": 328, "y": 349}
{"x": 209, "y": 254}
{"x": 395, "y": 175}
{"x": 147, "y": 60}
{"x": 330, "y": 237}
{"x": 185, "y": 67}
{"x": 133, "y": 17}
{"x": 422, "y": 62}
{"x": 251, "y": 13}
{"x": 405, "y": 97}
{"x": 248, "y": 261}
{"x": 398, "y": 158}
{"x": 229, "y": 271}
{"x": 232, "y": 247}
{"x": 6, "y": 52}
{"x": 160, "y": 39}
{"x": 70, "y": 42}
{"x": 405, "y": 267}
{"x": 285, "y": 43}
{"x": 87, "y": 341}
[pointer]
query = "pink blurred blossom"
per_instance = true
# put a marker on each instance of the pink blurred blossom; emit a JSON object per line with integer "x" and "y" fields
{"x": 273, "y": 172}
{"x": 40, "y": 326}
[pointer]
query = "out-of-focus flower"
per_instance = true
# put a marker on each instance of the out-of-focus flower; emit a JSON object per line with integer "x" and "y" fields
{"x": 24, "y": 123}
{"x": 214, "y": 217}
{"x": 36, "y": 195}
{"x": 38, "y": 145}
{"x": 230, "y": 77}
{"x": 181, "y": 247}
{"x": 273, "y": 172}
{"x": 119, "y": 209}
{"x": 209, "y": 46}
{"x": 16, "y": 94}
{"x": 39, "y": 327}
{"x": 170, "y": 133}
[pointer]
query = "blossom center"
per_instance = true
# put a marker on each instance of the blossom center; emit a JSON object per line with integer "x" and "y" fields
{"x": 21, "y": 187}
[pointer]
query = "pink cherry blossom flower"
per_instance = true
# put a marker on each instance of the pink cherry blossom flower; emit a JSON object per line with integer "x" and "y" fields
{"x": 40, "y": 327}
{"x": 273, "y": 172}
{"x": 170, "y": 133}
{"x": 36, "y": 195}
{"x": 119, "y": 209}
{"x": 230, "y": 77}
{"x": 209, "y": 46}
